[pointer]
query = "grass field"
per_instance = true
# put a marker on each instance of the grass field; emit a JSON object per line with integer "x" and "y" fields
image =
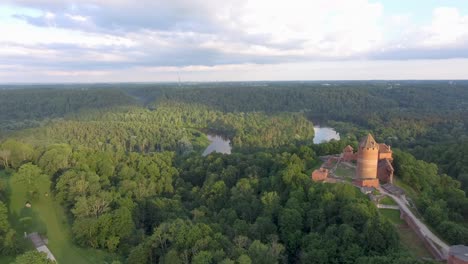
{"x": 408, "y": 239}
{"x": 344, "y": 171}
{"x": 392, "y": 215}
{"x": 48, "y": 216}
{"x": 387, "y": 201}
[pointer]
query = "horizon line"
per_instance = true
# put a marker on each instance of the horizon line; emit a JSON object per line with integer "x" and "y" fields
{"x": 227, "y": 81}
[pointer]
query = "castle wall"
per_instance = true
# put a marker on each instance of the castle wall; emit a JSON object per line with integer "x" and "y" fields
{"x": 366, "y": 182}
{"x": 385, "y": 171}
{"x": 349, "y": 156}
{"x": 320, "y": 174}
{"x": 386, "y": 155}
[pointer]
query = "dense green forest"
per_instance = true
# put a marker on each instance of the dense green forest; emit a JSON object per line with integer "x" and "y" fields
{"x": 429, "y": 119}
{"x": 22, "y": 108}
{"x": 125, "y": 165}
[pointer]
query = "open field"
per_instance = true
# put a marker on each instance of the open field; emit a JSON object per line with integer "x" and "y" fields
{"x": 47, "y": 216}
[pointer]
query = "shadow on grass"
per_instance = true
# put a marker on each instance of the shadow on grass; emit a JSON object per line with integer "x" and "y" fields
{"x": 29, "y": 222}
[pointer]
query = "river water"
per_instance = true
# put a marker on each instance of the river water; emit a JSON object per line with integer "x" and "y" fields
{"x": 218, "y": 144}
{"x": 325, "y": 134}
{"x": 223, "y": 145}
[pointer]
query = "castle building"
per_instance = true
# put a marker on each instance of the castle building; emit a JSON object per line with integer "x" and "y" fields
{"x": 320, "y": 174}
{"x": 348, "y": 154}
{"x": 458, "y": 255}
{"x": 367, "y": 161}
{"x": 374, "y": 162}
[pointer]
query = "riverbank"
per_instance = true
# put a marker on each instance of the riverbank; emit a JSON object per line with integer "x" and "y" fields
{"x": 218, "y": 144}
{"x": 325, "y": 134}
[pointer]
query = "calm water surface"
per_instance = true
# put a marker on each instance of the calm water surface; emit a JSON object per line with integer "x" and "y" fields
{"x": 218, "y": 144}
{"x": 223, "y": 145}
{"x": 325, "y": 134}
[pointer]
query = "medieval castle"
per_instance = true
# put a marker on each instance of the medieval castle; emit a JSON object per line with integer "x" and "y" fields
{"x": 374, "y": 163}
{"x": 374, "y": 166}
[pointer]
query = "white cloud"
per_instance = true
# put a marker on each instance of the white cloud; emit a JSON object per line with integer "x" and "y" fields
{"x": 216, "y": 36}
{"x": 448, "y": 27}
{"x": 325, "y": 28}
{"x": 25, "y": 34}
{"x": 328, "y": 27}
{"x": 77, "y": 18}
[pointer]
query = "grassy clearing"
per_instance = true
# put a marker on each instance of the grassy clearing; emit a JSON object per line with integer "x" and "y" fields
{"x": 411, "y": 242}
{"x": 344, "y": 171}
{"x": 408, "y": 239}
{"x": 392, "y": 215}
{"x": 387, "y": 201}
{"x": 47, "y": 216}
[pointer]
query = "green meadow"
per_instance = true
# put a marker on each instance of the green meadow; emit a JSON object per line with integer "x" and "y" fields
{"x": 47, "y": 217}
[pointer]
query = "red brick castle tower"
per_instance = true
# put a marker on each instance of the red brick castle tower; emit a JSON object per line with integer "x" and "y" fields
{"x": 367, "y": 160}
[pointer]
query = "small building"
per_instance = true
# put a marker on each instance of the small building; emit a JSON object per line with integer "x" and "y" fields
{"x": 458, "y": 255}
{"x": 348, "y": 154}
{"x": 320, "y": 174}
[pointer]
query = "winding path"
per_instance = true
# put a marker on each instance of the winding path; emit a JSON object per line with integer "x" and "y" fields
{"x": 403, "y": 204}
{"x": 40, "y": 245}
{"x": 386, "y": 206}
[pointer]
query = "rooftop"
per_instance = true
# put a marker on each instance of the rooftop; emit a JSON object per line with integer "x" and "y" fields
{"x": 348, "y": 148}
{"x": 459, "y": 251}
{"x": 368, "y": 142}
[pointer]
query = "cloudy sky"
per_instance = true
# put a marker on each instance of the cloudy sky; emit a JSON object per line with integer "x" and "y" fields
{"x": 229, "y": 40}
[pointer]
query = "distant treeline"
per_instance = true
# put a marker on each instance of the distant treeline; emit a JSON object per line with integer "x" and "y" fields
{"x": 20, "y": 108}
{"x": 428, "y": 118}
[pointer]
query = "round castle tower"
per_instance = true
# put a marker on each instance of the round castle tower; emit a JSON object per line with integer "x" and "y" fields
{"x": 367, "y": 159}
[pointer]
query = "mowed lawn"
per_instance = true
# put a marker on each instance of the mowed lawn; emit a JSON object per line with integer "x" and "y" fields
{"x": 408, "y": 238}
{"x": 47, "y": 214}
